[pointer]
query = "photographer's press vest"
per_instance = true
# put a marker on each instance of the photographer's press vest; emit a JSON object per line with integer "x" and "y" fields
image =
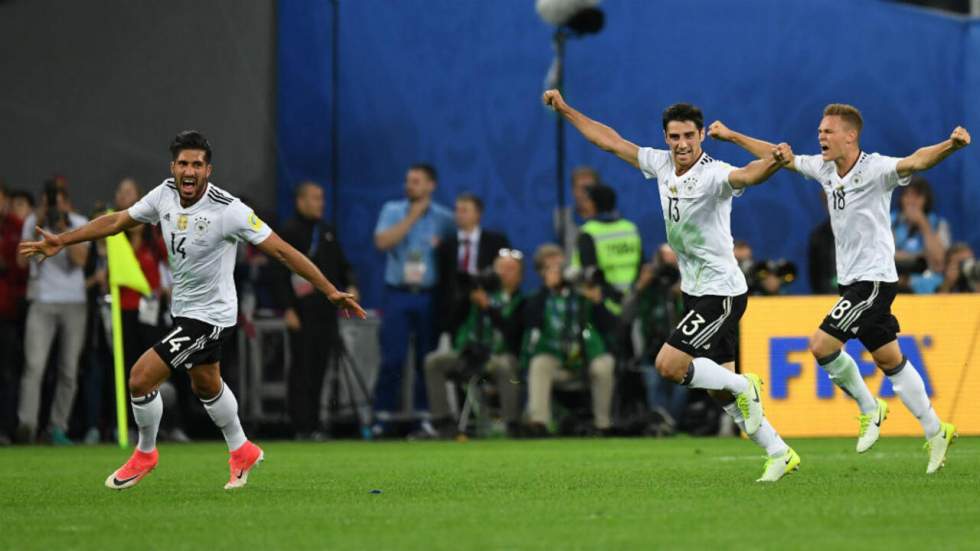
{"x": 618, "y": 250}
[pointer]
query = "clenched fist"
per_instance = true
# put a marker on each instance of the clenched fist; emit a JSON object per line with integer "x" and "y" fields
{"x": 719, "y": 131}
{"x": 553, "y": 99}
{"x": 783, "y": 154}
{"x": 960, "y": 137}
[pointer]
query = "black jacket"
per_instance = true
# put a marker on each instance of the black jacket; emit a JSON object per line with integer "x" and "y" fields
{"x": 326, "y": 255}
{"x": 453, "y": 290}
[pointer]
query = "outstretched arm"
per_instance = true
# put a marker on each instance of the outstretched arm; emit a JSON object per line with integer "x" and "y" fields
{"x": 927, "y": 157}
{"x": 760, "y": 170}
{"x": 296, "y": 261}
{"x": 760, "y": 148}
{"x": 103, "y": 226}
{"x": 602, "y": 136}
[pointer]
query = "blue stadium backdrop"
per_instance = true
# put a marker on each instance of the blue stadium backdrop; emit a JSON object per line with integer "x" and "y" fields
{"x": 458, "y": 83}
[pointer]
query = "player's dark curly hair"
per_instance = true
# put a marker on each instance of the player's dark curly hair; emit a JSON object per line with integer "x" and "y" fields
{"x": 683, "y": 112}
{"x": 190, "y": 139}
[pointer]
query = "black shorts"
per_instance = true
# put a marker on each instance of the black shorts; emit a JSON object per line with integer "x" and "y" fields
{"x": 710, "y": 327}
{"x": 192, "y": 342}
{"x": 864, "y": 311}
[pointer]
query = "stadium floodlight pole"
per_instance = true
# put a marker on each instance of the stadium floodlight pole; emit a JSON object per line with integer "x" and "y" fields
{"x": 334, "y": 114}
{"x": 558, "y": 76}
{"x": 572, "y": 18}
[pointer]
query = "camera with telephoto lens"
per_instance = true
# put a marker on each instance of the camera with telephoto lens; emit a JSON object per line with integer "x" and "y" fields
{"x": 52, "y": 214}
{"x": 970, "y": 269}
{"x": 583, "y": 276}
{"x": 488, "y": 280}
{"x": 665, "y": 276}
{"x": 472, "y": 358}
{"x": 759, "y": 276}
{"x": 909, "y": 266}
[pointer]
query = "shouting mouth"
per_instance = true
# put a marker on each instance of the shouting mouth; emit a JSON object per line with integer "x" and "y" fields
{"x": 188, "y": 185}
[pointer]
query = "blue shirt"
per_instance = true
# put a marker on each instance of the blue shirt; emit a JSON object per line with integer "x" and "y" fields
{"x": 419, "y": 243}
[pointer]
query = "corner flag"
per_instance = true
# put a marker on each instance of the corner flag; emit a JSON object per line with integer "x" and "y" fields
{"x": 124, "y": 271}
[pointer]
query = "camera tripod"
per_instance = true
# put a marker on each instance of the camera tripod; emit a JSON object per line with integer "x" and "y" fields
{"x": 347, "y": 390}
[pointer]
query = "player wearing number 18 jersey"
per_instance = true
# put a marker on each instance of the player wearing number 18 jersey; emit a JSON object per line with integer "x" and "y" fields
{"x": 859, "y": 187}
{"x": 202, "y": 225}
{"x": 696, "y": 197}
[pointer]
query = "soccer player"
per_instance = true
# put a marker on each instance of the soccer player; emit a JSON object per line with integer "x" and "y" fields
{"x": 202, "y": 225}
{"x": 696, "y": 197}
{"x": 859, "y": 187}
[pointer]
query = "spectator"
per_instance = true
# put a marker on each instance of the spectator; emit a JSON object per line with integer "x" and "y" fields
{"x": 567, "y": 220}
{"x": 13, "y": 287}
{"x": 56, "y": 290}
{"x": 311, "y": 319}
{"x": 568, "y": 326}
{"x": 743, "y": 255}
{"x": 653, "y": 308}
{"x": 21, "y": 204}
{"x": 921, "y": 238}
{"x": 464, "y": 255}
{"x": 962, "y": 273}
{"x": 488, "y": 337}
{"x": 97, "y": 352}
{"x": 822, "y": 259}
{"x": 610, "y": 243}
{"x": 408, "y": 232}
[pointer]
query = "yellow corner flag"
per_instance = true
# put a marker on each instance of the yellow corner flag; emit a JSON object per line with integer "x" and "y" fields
{"x": 124, "y": 271}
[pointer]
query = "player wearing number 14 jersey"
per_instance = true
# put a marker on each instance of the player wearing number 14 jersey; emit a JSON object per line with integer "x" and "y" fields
{"x": 202, "y": 226}
{"x": 696, "y": 197}
{"x": 859, "y": 187}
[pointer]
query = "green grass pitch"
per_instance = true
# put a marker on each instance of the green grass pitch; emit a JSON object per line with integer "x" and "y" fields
{"x": 497, "y": 494}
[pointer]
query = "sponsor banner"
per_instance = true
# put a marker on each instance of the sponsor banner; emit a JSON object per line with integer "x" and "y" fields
{"x": 940, "y": 335}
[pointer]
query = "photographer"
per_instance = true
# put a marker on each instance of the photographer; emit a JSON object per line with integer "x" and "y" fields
{"x": 962, "y": 274}
{"x": 56, "y": 290}
{"x": 652, "y": 309}
{"x": 488, "y": 338}
{"x": 569, "y": 329}
{"x": 768, "y": 277}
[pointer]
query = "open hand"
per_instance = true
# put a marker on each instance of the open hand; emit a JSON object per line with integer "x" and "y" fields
{"x": 49, "y": 245}
{"x": 719, "y": 131}
{"x": 960, "y": 137}
{"x": 346, "y": 302}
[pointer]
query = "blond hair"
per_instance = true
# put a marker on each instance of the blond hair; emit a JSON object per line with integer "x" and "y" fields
{"x": 848, "y": 113}
{"x": 544, "y": 252}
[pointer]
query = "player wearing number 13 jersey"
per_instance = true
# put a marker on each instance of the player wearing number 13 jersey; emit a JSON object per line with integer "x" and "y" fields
{"x": 696, "y": 196}
{"x": 859, "y": 187}
{"x": 202, "y": 225}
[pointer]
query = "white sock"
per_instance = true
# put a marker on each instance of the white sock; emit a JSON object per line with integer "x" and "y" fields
{"x": 766, "y": 437}
{"x": 147, "y": 410}
{"x": 843, "y": 371}
{"x": 911, "y": 389}
{"x": 223, "y": 410}
{"x": 706, "y": 374}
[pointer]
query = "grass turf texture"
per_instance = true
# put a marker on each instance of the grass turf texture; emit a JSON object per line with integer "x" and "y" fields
{"x": 498, "y": 494}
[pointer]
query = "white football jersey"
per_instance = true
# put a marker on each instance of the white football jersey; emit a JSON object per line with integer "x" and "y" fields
{"x": 697, "y": 209}
{"x": 859, "y": 205}
{"x": 201, "y": 243}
